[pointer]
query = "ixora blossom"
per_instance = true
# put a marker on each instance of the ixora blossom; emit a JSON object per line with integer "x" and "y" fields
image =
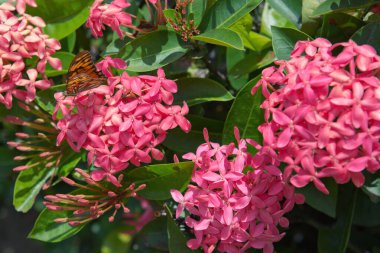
{"x": 114, "y": 16}
{"x": 120, "y": 123}
{"x": 323, "y": 116}
{"x": 95, "y": 200}
{"x": 21, "y": 38}
{"x": 236, "y": 200}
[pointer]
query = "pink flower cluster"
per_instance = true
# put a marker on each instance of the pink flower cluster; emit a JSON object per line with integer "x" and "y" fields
{"x": 111, "y": 15}
{"x": 21, "y": 5}
{"x": 122, "y": 122}
{"x": 21, "y": 38}
{"x": 323, "y": 120}
{"x": 237, "y": 200}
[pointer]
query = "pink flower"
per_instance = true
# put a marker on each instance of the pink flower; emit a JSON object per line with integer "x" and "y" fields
{"x": 21, "y": 38}
{"x": 105, "y": 64}
{"x": 111, "y": 15}
{"x": 322, "y": 120}
{"x": 121, "y": 123}
{"x": 233, "y": 211}
{"x": 21, "y": 5}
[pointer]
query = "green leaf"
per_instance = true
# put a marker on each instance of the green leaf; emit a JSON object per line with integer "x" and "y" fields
{"x": 198, "y": 9}
{"x": 368, "y": 34}
{"x": 270, "y": 18}
{"x": 152, "y": 51}
{"x": 337, "y": 27}
{"x": 176, "y": 239}
{"x": 335, "y": 239}
{"x": 310, "y": 24}
{"x": 28, "y": 184}
{"x": 373, "y": 187}
{"x": 62, "y": 17}
{"x": 222, "y": 37}
{"x": 251, "y": 40}
{"x": 291, "y": 9}
{"x": 117, "y": 241}
{"x": 225, "y": 13}
{"x": 47, "y": 230}
{"x": 314, "y": 197}
{"x": 329, "y": 6}
{"x": 366, "y": 211}
{"x": 152, "y": 238}
{"x": 45, "y": 98}
{"x": 68, "y": 43}
{"x": 246, "y": 114}
{"x": 251, "y": 62}
{"x": 234, "y": 56}
{"x": 62, "y": 29}
{"x": 116, "y": 44}
{"x": 181, "y": 142}
{"x": 66, "y": 59}
{"x": 200, "y": 90}
{"x": 284, "y": 40}
{"x": 160, "y": 179}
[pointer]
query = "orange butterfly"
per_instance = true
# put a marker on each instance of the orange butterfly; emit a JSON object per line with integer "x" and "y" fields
{"x": 83, "y": 75}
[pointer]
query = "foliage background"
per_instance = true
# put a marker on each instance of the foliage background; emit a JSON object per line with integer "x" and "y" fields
{"x": 321, "y": 225}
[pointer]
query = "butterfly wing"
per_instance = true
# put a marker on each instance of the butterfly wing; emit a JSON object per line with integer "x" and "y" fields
{"x": 83, "y": 74}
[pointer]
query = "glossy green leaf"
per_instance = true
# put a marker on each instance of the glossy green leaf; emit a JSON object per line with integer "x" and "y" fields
{"x": 335, "y": 239}
{"x": 153, "y": 50}
{"x": 198, "y": 9}
{"x": 181, "y": 142}
{"x": 222, "y": 37}
{"x": 62, "y": 29}
{"x": 251, "y": 39}
{"x": 246, "y": 114}
{"x": 284, "y": 40}
{"x": 225, "y": 13}
{"x": 373, "y": 187}
{"x": 62, "y": 17}
{"x": 329, "y": 6}
{"x": 291, "y": 9}
{"x": 366, "y": 211}
{"x": 368, "y": 34}
{"x": 310, "y": 24}
{"x": 337, "y": 27}
{"x": 251, "y": 62}
{"x": 66, "y": 59}
{"x": 200, "y": 90}
{"x": 160, "y": 179}
{"x": 314, "y": 197}
{"x": 47, "y": 230}
{"x": 234, "y": 56}
{"x": 68, "y": 43}
{"x": 176, "y": 239}
{"x": 270, "y": 17}
{"x": 28, "y": 184}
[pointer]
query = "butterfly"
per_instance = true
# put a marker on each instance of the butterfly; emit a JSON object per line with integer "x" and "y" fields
{"x": 83, "y": 75}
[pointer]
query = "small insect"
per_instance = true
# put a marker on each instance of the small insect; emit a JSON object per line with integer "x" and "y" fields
{"x": 83, "y": 75}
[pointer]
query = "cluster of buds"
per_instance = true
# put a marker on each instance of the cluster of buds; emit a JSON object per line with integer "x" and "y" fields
{"x": 122, "y": 122}
{"x": 113, "y": 16}
{"x": 39, "y": 148}
{"x": 323, "y": 120}
{"x": 183, "y": 23}
{"x": 95, "y": 200}
{"x": 232, "y": 210}
{"x": 21, "y": 38}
